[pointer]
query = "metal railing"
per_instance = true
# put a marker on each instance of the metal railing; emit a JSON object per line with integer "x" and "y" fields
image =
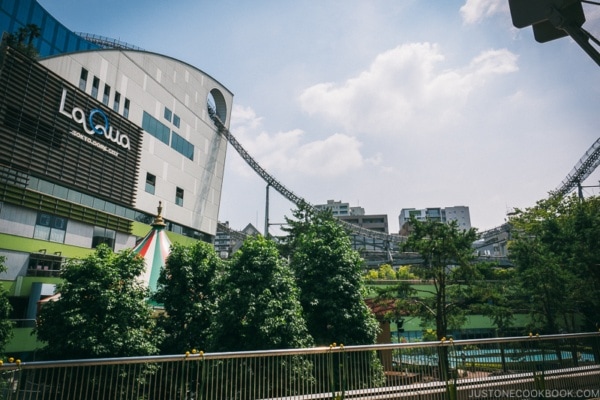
{"x": 560, "y": 366}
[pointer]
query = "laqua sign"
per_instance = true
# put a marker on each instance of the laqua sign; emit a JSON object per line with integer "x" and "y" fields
{"x": 94, "y": 128}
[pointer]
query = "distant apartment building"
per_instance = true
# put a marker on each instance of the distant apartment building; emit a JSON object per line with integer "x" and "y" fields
{"x": 460, "y": 214}
{"x": 339, "y": 208}
{"x": 494, "y": 242}
{"x": 374, "y": 250}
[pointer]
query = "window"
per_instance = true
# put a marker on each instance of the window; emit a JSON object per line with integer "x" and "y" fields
{"x": 156, "y": 128}
{"x": 150, "y": 183}
{"x": 168, "y": 114}
{"x": 95, "y": 87}
{"x": 182, "y": 146}
{"x": 103, "y": 236}
{"x": 50, "y": 227}
{"x": 106, "y": 94}
{"x": 176, "y": 120}
{"x": 179, "y": 196}
{"x": 83, "y": 79}
{"x": 126, "y": 108}
{"x": 117, "y": 102}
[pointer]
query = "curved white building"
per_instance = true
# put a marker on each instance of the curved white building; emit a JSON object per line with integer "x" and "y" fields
{"x": 93, "y": 138}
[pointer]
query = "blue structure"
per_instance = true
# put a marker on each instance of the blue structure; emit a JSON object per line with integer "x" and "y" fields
{"x": 55, "y": 38}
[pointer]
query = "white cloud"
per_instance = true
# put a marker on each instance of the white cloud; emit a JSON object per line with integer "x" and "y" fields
{"x": 282, "y": 152}
{"x": 404, "y": 89}
{"x": 244, "y": 118}
{"x": 474, "y": 11}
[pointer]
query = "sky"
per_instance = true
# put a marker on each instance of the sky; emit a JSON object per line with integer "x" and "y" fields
{"x": 383, "y": 104}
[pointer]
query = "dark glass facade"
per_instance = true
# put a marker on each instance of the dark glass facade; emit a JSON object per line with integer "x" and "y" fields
{"x": 46, "y": 128}
{"x": 54, "y": 39}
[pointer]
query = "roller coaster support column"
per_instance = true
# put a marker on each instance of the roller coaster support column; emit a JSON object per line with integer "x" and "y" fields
{"x": 267, "y": 212}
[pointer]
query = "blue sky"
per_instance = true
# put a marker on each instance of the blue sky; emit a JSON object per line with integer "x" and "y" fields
{"x": 382, "y": 104}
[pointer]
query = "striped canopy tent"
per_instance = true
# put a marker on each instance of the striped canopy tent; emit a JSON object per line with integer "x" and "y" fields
{"x": 155, "y": 248}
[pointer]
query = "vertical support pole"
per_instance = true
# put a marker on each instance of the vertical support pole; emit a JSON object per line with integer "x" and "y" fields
{"x": 267, "y": 212}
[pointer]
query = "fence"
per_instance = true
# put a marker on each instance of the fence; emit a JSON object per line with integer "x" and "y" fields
{"x": 558, "y": 366}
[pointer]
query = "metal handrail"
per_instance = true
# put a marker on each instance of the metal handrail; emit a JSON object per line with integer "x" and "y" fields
{"x": 296, "y": 352}
{"x": 434, "y": 370}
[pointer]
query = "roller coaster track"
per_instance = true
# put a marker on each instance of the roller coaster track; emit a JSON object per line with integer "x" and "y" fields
{"x": 288, "y": 194}
{"x": 582, "y": 170}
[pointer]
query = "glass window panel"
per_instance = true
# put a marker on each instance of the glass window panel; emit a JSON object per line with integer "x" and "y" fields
{"x": 74, "y": 196}
{"x": 129, "y": 213}
{"x": 87, "y": 200}
{"x": 99, "y": 204}
{"x": 38, "y": 15}
{"x": 44, "y": 47}
{"x": 110, "y": 207}
{"x": 61, "y": 37}
{"x": 176, "y": 120}
{"x": 59, "y": 223}
{"x": 46, "y": 187}
{"x": 33, "y": 183}
{"x": 60, "y": 191}
{"x": 83, "y": 79}
{"x": 106, "y": 95}
{"x": 168, "y": 114}
{"x": 117, "y": 102}
{"x": 8, "y": 6}
{"x": 95, "y": 87}
{"x": 41, "y": 232}
{"x": 48, "y": 28}
{"x": 179, "y": 196}
{"x": 23, "y": 11}
{"x": 44, "y": 219}
{"x": 121, "y": 211}
{"x": 57, "y": 235}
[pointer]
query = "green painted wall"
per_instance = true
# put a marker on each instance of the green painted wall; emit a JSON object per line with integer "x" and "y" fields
{"x": 29, "y": 245}
{"x": 22, "y": 341}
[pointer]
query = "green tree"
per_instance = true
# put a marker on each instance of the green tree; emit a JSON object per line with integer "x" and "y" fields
{"x": 6, "y": 325}
{"x": 405, "y": 273}
{"x": 448, "y": 263}
{"x": 329, "y": 274}
{"x": 386, "y": 272}
{"x": 258, "y": 302}
{"x": 555, "y": 249}
{"x": 186, "y": 290}
{"x": 22, "y": 40}
{"x": 102, "y": 310}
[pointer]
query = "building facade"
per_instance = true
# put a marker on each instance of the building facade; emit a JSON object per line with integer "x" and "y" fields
{"x": 460, "y": 214}
{"x": 93, "y": 140}
{"x": 339, "y": 208}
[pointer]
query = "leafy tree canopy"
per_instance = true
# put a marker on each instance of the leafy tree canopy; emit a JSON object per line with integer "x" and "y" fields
{"x": 448, "y": 262}
{"x": 186, "y": 290}
{"x": 22, "y": 40}
{"x": 102, "y": 310}
{"x": 258, "y": 302}
{"x": 5, "y": 310}
{"x": 329, "y": 273}
{"x": 555, "y": 248}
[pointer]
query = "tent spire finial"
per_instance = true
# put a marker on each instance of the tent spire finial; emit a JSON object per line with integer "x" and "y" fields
{"x": 158, "y": 220}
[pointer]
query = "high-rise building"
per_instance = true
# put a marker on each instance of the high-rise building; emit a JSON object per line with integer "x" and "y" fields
{"x": 95, "y": 133}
